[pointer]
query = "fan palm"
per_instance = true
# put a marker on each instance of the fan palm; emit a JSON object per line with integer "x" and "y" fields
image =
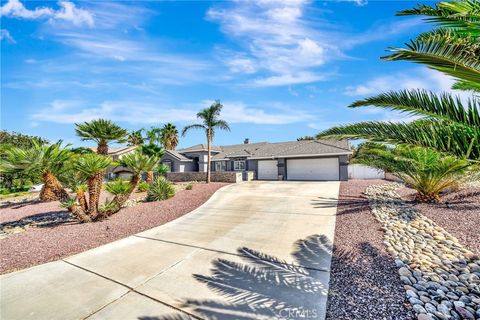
{"x": 43, "y": 161}
{"x": 154, "y": 136}
{"x": 135, "y": 138}
{"x": 93, "y": 166}
{"x": 169, "y": 134}
{"x": 210, "y": 122}
{"x": 101, "y": 131}
{"x": 423, "y": 169}
{"x": 138, "y": 163}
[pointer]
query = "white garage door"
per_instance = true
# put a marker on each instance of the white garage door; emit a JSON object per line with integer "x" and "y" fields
{"x": 313, "y": 169}
{"x": 267, "y": 170}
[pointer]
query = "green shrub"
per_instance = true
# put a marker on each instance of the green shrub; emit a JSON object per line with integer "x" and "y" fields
{"x": 161, "y": 189}
{"x": 108, "y": 206}
{"x": 118, "y": 186}
{"x": 143, "y": 186}
{"x": 189, "y": 186}
{"x": 163, "y": 169}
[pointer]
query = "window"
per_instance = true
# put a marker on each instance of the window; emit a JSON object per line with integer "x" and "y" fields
{"x": 220, "y": 166}
{"x": 239, "y": 165}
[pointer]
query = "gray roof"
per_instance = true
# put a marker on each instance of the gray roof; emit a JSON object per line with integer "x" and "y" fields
{"x": 279, "y": 149}
{"x": 198, "y": 147}
{"x": 177, "y": 155}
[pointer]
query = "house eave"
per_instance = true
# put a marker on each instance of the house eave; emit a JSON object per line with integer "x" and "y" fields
{"x": 303, "y": 155}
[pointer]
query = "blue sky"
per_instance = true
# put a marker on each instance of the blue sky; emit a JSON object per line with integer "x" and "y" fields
{"x": 282, "y": 69}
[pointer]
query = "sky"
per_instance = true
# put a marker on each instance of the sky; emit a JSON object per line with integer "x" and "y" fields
{"x": 282, "y": 69}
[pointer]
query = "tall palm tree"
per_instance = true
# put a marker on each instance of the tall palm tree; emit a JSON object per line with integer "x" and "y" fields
{"x": 447, "y": 123}
{"x": 93, "y": 166}
{"x": 47, "y": 162}
{"x": 210, "y": 122}
{"x": 135, "y": 138}
{"x": 153, "y": 136}
{"x": 101, "y": 131}
{"x": 169, "y": 136}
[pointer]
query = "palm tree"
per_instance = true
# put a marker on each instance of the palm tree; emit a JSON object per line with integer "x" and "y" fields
{"x": 154, "y": 136}
{"x": 135, "y": 138}
{"x": 47, "y": 162}
{"x": 210, "y": 122}
{"x": 447, "y": 123}
{"x": 151, "y": 150}
{"x": 92, "y": 166}
{"x": 101, "y": 131}
{"x": 169, "y": 136}
{"x": 138, "y": 163}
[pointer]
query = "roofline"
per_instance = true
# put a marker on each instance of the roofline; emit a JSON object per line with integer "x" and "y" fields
{"x": 303, "y": 155}
{"x": 290, "y": 156}
{"x": 179, "y": 159}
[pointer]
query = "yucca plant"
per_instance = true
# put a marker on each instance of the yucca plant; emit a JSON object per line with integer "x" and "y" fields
{"x": 160, "y": 189}
{"x": 423, "y": 169}
{"x": 47, "y": 162}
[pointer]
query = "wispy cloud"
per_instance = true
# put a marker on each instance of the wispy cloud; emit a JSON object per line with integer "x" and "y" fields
{"x": 134, "y": 112}
{"x": 5, "y": 35}
{"x": 67, "y": 11}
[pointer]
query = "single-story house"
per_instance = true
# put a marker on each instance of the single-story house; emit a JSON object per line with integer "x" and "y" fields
{"x": 293, "y": 160}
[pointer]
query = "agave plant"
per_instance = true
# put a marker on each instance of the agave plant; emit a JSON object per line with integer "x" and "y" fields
{"x": 47, "y": 162}
{"x": 423, "y": 169}
{"x": 161, "y": 189}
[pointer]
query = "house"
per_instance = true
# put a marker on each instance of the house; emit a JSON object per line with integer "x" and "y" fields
{"x": 293, "y": 160}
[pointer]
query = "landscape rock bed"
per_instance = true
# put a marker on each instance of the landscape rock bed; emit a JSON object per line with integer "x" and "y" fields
{"x": 441, "y": 277}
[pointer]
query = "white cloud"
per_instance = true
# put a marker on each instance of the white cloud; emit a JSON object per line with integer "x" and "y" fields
{"x": 67, "y": 12}
{"x": 276, "y": 38}
{"x": 133, "y": 112}
{"x": 422, "y": 78}
{"x": 5, "y": 35}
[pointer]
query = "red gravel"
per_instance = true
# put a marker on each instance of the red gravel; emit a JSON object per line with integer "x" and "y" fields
{"x": 43, "y": 244}
{"x": 458, "y": 212}
{"x": 364, "y": 283}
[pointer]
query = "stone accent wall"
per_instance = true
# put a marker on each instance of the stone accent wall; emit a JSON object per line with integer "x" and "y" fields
{"x": 219, "y": 176}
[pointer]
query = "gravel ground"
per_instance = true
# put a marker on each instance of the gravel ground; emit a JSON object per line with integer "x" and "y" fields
{"x": 458, "y": 213}
{"x": 52, "y": 242}
{"x": 364, "y": 283}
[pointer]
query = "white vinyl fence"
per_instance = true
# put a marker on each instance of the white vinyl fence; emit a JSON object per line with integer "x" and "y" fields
{"x": 360, "y": 171}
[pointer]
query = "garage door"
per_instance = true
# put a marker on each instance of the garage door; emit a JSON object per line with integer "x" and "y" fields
{"x": 267, "y": 170}
{"x": 313, "y": 169}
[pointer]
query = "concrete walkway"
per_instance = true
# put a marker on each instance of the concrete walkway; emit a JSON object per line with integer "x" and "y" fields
{"x": 255, "y": 250}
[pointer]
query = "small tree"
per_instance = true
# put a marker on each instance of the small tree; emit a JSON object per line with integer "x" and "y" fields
{"x": 43, "y": 161}
{"x": 101, "y": 131}
{"x": 210, "y": 122}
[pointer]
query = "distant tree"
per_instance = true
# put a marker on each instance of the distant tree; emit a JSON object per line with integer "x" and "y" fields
{"x": 81, "y": 150}
{"x": 210, "y": 122}
{"x": 135, "y": 138}
{"x": 154, "y": 136}
{"x": 19, "y": 140}
{"x": 305, "y": 138}
{"x": 169, "y": 135}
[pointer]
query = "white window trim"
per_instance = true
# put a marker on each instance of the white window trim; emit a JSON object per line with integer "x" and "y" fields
{"x": 236, "y": 165}
{"x": 222, "y": 165}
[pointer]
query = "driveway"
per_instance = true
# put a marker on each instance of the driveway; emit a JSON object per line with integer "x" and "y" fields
{"x": 255, "y": 250}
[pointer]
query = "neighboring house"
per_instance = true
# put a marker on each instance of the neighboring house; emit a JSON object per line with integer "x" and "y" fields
{"x": 293, "y": 160}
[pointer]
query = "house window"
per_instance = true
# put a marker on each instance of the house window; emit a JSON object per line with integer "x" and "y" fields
{"x": 220, "y": 166}
{"x": 239, "y": 165}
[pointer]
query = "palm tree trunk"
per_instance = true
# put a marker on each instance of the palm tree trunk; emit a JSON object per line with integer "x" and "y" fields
{"x": 52, "y": 189}
{"x": 80, "y": 214}
{"x": 82, "y": 200}
{"x": 209, "y": 147}
{"x": 150, "y": 177}
{"x": 102, "y": 148}
{"x": 94, "y": 189}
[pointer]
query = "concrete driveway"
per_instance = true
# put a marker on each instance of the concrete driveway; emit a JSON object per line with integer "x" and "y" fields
{"x": 255, "y": 250}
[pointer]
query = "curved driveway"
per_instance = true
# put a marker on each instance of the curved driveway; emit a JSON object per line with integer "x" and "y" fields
{"x": 255, "y": 250}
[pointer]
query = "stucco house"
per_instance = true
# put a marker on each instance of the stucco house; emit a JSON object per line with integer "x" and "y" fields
{"x": 293, "y": 160}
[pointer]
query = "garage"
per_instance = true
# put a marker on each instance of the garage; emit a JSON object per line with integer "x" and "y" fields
{"x": 313, "y": 169}
{"x": 267, "y": 170}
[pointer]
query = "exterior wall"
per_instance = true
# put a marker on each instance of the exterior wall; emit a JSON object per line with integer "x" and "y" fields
{"x": 360, "y": 171}
{"x": 252, "y": 165}
{"x": 178, "y": 165}
{"x": 225, "y": 176}
{"x": 202, "y": 159}
{"x": 282, "y": 168}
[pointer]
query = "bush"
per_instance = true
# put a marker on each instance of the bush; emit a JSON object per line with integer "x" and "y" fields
{"x": 118, "y": 187}
{"x": 143, "y": 186}
{"x": 189, "y": 186}
{"x": 160, "y": 189}
{"x": 163, "y": 169}
{"x": 108, "y": 206}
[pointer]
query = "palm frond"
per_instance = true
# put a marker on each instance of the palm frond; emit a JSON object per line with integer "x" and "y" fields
{"x": 425, "y": 103}
{"x": 192, "y": 126}
{"x": 443, "y": 136}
